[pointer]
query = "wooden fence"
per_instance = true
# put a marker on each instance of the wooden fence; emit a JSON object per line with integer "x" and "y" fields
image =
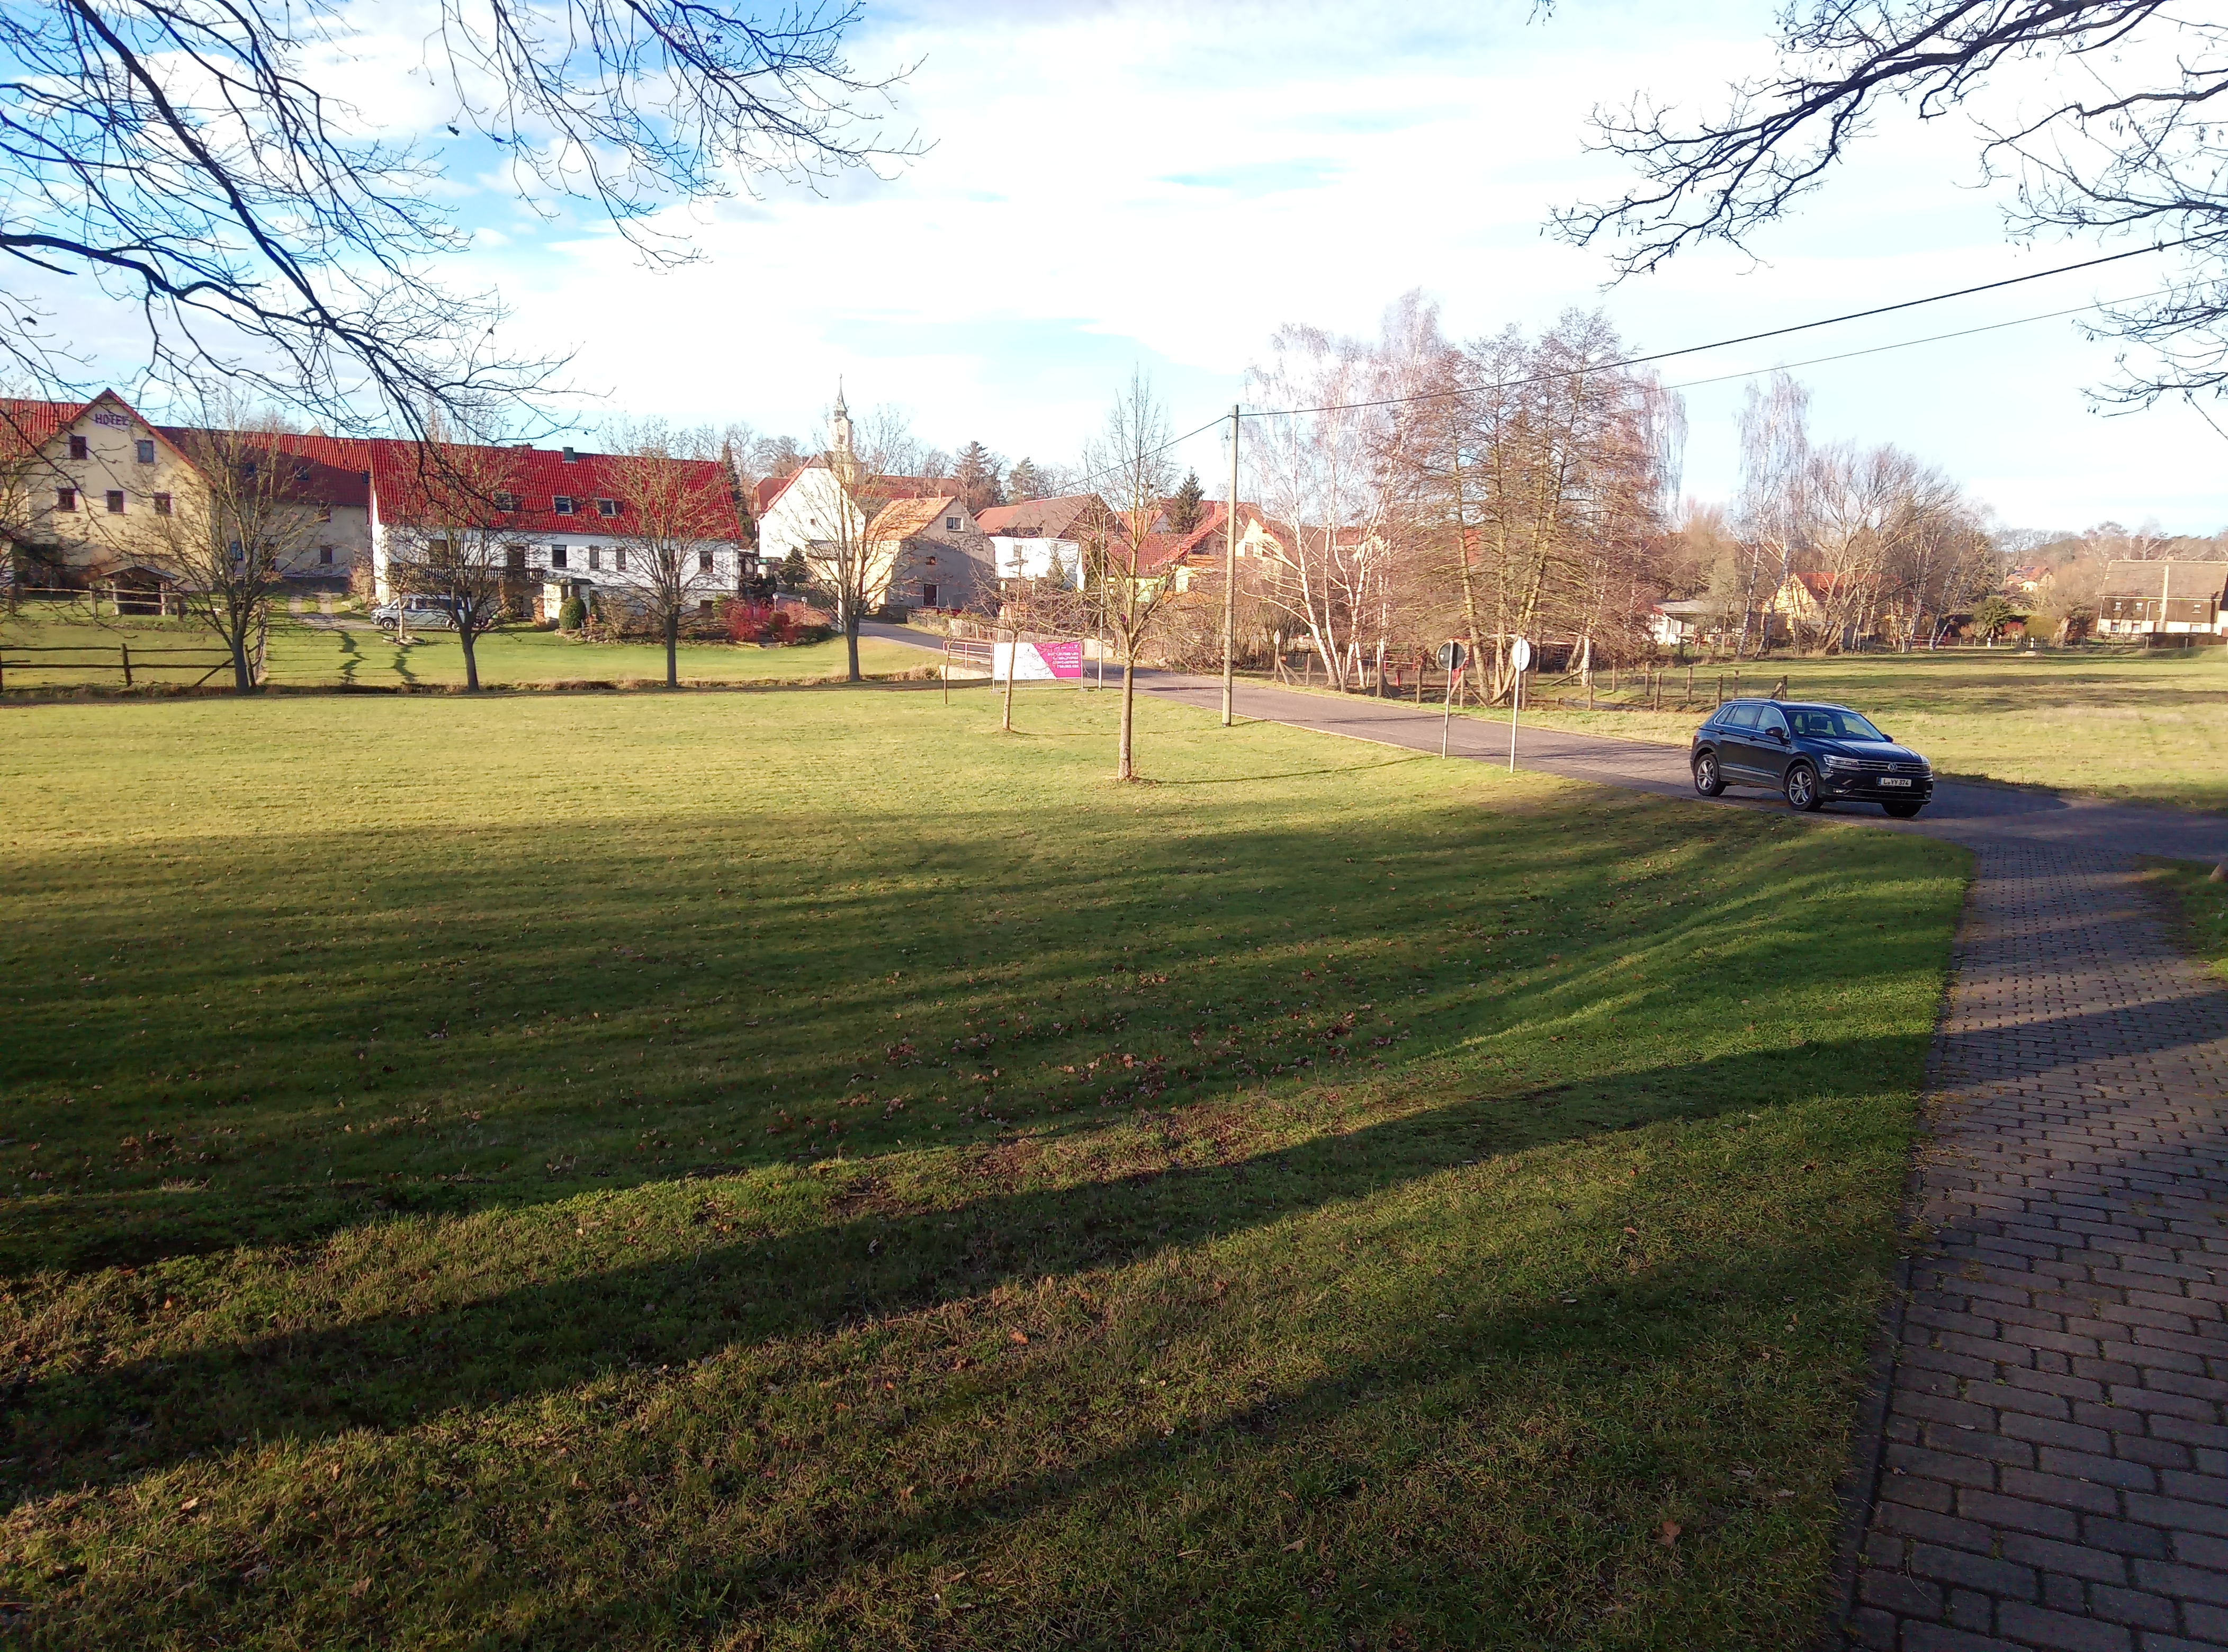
{"x": 208, "y": 661}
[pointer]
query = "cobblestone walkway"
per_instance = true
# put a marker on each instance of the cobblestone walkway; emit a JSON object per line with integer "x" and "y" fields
{"x": 2054, "y": 1471}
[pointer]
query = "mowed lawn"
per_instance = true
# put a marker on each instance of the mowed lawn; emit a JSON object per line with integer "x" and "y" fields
{"x": 305, "y": 655}
{"x": 2144, "y": 727}
{"x": 809, "y": 1171}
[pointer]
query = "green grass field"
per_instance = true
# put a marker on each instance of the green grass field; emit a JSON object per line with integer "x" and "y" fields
{"x": 2147, "y": 728}
{"x": 306, "y": 655}
{"x": 809, "y": 1171}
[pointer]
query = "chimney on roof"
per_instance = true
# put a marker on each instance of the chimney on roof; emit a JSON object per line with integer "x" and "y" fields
{"x": 571, "y": 458}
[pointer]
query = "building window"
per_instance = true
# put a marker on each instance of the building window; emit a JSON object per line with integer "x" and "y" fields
{"x": 952, "y": 523}
{"x": 301, "y": 473}
{"x": 77, "y": 449}
{"x": 556, "y": 556}
{"x": 65, "y": 498}
{"x": 595, "y": 558}
{"x": 928, "y": 595}
{"x": 562, "y": 504}
{"x": 506, "y": 501}
{"x": 143, "y": 451}
{"x": 620, "y": 560}
{"x": 607, "y": 507}
{"x": 161, "y": 505}
{"x": 514, "y": 558}
{"x": 324, "y": 556}
{"x": 703, "y": 561}
{"x": 325, "y": 513}
{"x": 705, "y": 606}
{"x": 116, "y": 502}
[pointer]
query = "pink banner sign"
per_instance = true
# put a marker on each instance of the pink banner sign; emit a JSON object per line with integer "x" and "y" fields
{"x": 1038, "y": 662}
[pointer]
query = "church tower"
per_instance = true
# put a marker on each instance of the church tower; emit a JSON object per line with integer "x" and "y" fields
{"x": 839, "y": 426}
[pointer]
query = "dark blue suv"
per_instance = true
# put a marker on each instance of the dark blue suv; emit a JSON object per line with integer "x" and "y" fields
{"x": 1811, "y": 754}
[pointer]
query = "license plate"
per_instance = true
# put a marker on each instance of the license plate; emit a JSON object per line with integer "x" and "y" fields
{"x": 1889, "y": 780}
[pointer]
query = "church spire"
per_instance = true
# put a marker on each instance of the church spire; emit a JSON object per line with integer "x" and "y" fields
{"x": 839, "y": 424}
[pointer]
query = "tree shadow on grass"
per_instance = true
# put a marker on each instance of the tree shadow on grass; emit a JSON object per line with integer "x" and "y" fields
{"x": 977, "y": 986}
{"x": 121, "y": 1420}
{"x": 1489, "y": 1474}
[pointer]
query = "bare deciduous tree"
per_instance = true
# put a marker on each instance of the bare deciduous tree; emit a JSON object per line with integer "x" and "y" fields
{"x": 199, "y": 161}
{"x": 226, "y": 543}
{"x": 675, "y": 512}
{"x": 1131, "y": 467}
{"x": 451, "y": 539}
{"x": 2125, "y": 139}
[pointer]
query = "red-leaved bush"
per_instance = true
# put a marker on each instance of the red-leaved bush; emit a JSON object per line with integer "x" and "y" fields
{"x": 757, "y": 622}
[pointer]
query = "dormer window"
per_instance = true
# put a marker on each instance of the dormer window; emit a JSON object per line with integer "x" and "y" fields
{"x": 607, "y": 507}
{"x": 506, "y": 501}
{"x": 562, "y": 504}
{"x": 570, "y": 456}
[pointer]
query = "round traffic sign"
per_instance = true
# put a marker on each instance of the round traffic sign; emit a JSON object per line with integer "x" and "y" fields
{"x": 1451, "y": 657}
{"x": 1519, "y": 655}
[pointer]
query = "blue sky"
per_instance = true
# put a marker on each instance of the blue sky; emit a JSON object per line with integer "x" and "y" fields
{"x": 1112, "y": 183}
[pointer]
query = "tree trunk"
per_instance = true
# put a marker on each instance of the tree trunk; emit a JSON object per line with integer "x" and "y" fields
{"x": 1013, "y": 665}
{"x": 243, "y": 669}
{"x": 469, "y": 638}
{"x": 851, "y": 643}
{"x": 673, "y": 652}
{"x": 1123, "y": 770}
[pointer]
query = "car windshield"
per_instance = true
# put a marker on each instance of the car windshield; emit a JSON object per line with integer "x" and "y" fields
{"x": 1831, "y": 723}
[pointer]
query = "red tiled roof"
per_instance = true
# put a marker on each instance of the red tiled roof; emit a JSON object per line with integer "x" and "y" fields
{"x": 26, "y": 425}
{"x": 537, "y": 478}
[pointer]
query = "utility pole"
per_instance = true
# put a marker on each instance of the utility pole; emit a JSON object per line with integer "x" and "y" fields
{"x": 1230, "y": 574}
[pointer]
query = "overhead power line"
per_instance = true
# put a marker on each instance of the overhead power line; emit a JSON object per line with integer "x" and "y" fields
{"x": 1727, "y": 344}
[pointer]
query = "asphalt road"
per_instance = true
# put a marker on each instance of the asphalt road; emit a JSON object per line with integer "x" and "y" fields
{"x": 1964, "y": 813}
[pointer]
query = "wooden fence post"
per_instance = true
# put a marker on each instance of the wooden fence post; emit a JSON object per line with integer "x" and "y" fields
{"x": 125, "y": 649}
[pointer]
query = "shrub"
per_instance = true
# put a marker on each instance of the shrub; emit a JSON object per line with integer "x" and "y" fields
{"x": 571, "y": 615}
{"x": 754, "y": 621}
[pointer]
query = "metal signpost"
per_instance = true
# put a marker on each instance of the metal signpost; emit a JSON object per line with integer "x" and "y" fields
{"x": 1520, "y": 659}
{"x": 1451, "y": 657}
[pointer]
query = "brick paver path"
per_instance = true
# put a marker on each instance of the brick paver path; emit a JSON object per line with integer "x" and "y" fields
{"x": 2055, "y": 1468}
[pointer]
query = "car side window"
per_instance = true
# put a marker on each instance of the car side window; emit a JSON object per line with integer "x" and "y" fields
{"x": 1772, "y": 721}
{"x": 1739, "y": 717}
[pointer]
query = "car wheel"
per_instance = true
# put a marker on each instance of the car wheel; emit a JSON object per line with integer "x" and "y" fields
{"x": 1707, "y": 780}
{"x": 1903, "y": 810}
{"x": 1802, "y": 787}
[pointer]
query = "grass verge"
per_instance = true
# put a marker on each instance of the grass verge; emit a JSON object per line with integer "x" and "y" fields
{"x": 2199, "y": 909}
{"x": 810, "y": 1171}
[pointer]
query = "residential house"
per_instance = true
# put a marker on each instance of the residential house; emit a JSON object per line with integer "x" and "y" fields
{"x": 1264, "y": 551}
{"x": 1041, "y": 539}
{"x": 2187, "y": 601}
{"x": 1684, "y": 621}
{"x": 83, "y": 486}
{"x": 928, "y": 553}
{"x": 809, "y": 506}
{"x": 564, "y": 520}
